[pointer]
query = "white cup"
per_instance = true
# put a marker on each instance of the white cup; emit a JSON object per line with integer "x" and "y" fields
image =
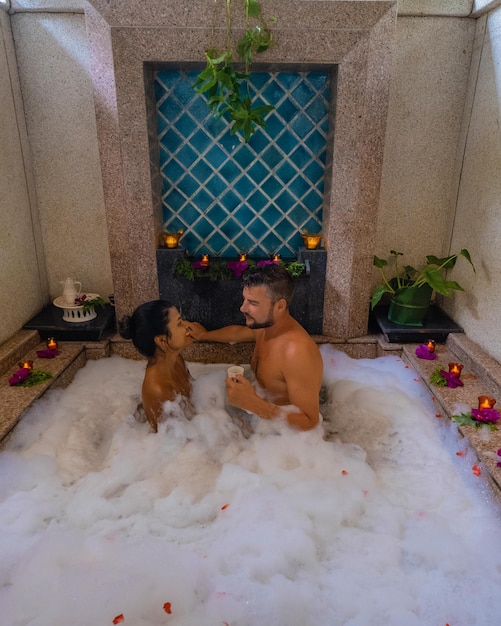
{"x": 234, "y": 370}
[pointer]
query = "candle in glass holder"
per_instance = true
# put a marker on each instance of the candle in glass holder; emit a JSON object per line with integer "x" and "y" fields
{"x": 455, "y": 369}
{"x": 485, "y": 402}
{"x": 242, "y": 257}
{"x": 275, "y": 258}
{"x": 205, "y": 260}
{"x": 311, "y": 242}
{"x": 27, "y": 365}
{"x": 171, "y": 240}
{"x": 431, "y": 345}
{"x": 51, "y": 343}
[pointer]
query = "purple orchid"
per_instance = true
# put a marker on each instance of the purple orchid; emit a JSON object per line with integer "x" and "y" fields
{"x": 498, "y": 464}
{"x": 423, "y": 352}
{"x": 199, "y": 265}
{"x": 265, "y": 262}
{"x": 47, "y": 354}
{"x": 452, "y": 380}
{"x": 19, "y": 376}
{"x": 238, "y": 267}
{"x": 486, "y": 416}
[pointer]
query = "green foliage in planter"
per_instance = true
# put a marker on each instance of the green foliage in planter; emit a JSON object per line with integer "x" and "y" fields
{"x": 227, "y": 89}
{"x": 408, "y": 277}
{"x": 87, "y": 305}
{"x": 219, "y": 270}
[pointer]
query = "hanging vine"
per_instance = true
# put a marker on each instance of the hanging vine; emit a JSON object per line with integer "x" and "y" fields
{"x": 227, "y": 90}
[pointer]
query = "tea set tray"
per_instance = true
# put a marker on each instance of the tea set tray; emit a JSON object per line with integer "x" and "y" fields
{"x": 76, "y": 313}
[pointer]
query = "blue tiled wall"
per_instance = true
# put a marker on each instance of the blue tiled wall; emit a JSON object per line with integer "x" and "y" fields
{"x": 229, "y": 196}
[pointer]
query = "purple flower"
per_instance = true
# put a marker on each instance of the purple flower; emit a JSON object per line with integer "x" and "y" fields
{"x": 238, "y": 267}
{"x": 47, "y": 354}
{"x": 19, "y": 376}
{"x": 265, "y": 262}
{"x": 423, "y": 352}
{"x": 198, "y": 265}
{"x": 489, "y": 416}
{"x": 452, "y": 380}
{"x": 80, "y": 299}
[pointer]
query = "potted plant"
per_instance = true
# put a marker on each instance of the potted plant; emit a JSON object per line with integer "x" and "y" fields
{"x": 411, "y": 289}
{"x": 226, "y": 87}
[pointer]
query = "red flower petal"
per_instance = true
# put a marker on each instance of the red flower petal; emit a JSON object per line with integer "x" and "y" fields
{"x": 119, "y": 618}
{"x": 438, "y": 414}
{"x": 459, "y": 453}
{"x": 225, "y": 506}
{"x": 344, "y": 472}
{"x": 476, "y": 470}
{"x": 407, "y": 367}
{"x": 167, "y": 608}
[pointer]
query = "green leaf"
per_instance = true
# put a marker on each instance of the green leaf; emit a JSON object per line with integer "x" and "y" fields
{"x": 464, "y": 252}
{"x": 380, "y": 263}
{"x": 379, "y": 291}
{"x": 436, "y": 377}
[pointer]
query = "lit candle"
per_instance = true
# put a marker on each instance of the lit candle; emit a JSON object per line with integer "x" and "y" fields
{"x": 275, "y": 258}
{"x": 26, "y": 365}
{"x": 455, "y": 369}
{"x": 171, "y": 240}
{"x": 242, "y": 257}
{"x": 311, "y": 242}
{"x": 205, "y": 260}
{"x": 51, "y": 343}
{"x": 431, "y": 345}
{"x": 485, "y": 402}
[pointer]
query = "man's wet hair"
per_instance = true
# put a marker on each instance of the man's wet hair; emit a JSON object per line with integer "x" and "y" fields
{"x": 275, "y": 278}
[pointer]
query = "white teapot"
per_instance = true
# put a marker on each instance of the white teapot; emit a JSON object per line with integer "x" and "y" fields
{"x": 71, "y": 290}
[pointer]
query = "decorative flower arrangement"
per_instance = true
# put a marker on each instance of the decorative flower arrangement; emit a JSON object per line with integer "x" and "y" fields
{"x": 449, "y": 379}
{"x": 426, "y": 351}
{"x": 26, "y": 376}
{"x": 485, "y": 414}
{"x": 478, "y": 418}
{"x": 221, "y": 270}
{"x": 89, "y": 304}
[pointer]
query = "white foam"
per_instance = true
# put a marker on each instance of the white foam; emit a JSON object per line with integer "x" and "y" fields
{"x": 382, "y": 525}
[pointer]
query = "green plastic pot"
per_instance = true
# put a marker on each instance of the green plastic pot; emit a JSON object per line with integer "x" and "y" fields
{"x": 409, "y": 305}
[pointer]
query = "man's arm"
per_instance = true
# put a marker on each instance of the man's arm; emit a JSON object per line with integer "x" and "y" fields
{"x": 302, "y": 370}
{"x": 227, "y": 334}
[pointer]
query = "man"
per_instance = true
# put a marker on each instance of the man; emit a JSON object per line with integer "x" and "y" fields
{"x": 286, "y": 361}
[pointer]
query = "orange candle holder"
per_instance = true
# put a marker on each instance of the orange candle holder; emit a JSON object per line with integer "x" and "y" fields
{"x": 171, "y": 240}
{"x": 431, "y": 345}
{"x": 311, "y": 242}
{"x": 485, "y": 402}
{"x": 455, "y": 369}
{"x": 51, "y": 343}
{"x": 26, "y": 365}
{"x": 205, "y": 260}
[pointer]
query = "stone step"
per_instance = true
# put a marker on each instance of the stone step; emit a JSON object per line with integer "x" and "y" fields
{"x": 15, "y": 400}
{"x": 479, "y": 378}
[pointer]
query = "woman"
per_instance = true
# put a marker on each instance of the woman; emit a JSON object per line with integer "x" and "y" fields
{"x": 159, "y": 333}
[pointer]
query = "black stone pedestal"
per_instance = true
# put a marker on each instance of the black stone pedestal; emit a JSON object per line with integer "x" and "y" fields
{"x": 438, "y": 325}
{"x": 217, "y": 303}
{"x": 49, "y": 323}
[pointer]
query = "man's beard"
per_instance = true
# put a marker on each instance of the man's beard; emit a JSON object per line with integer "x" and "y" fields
{"x": 269, "y": 321}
